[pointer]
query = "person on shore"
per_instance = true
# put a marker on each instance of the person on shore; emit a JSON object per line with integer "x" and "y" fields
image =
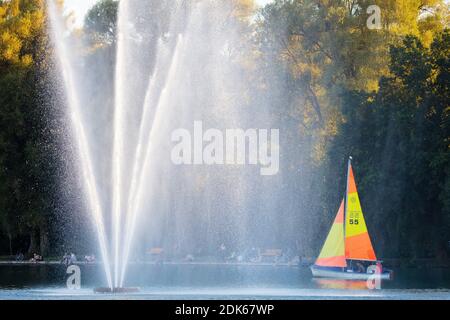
{"x": 66, "y": 259}
{"x": 19, "y": 257}
{"x": 73, "y": 258}
{"x": 190, "y": 258}
{"x": 89, "y": 259}
{"x": 222, "y": 251}
{"x": 36, "y": 258}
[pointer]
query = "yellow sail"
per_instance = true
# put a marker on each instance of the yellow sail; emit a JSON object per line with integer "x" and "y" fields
{"x": 333, "y": 253}
{"x": 357, "y": 240}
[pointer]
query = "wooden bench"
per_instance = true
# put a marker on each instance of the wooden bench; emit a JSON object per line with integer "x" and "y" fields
{"x": 272, "y": 253}
{"x": 155, "y": 251}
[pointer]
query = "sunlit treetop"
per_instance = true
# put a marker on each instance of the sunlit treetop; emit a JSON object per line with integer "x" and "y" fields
{"x": 19, "y": 23}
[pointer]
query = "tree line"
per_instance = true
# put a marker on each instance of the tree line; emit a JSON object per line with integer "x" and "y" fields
{"x": 335, "y": 86}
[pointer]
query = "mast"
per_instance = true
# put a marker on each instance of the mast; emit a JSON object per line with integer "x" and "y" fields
{"x": 346, "y": 193}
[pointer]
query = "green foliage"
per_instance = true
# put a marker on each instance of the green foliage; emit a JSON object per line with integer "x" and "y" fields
{"x": 400, "y": 138}
{"x": 326, "y": 47}
{"x": 101, "y": 21}
{"x": 26, "y": 179}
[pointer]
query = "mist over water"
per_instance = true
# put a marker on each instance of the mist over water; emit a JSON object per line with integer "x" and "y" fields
{"x": 190, "y": 67}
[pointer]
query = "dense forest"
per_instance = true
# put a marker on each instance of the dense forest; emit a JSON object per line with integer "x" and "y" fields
{"x": 333, "y": 85}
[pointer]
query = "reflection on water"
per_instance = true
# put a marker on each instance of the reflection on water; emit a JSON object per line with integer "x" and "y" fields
{"x": 213, "y": 276}
{"x": 340, "y": 284}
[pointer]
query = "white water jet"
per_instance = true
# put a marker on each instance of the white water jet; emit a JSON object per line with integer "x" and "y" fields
{"x": 143, "y": 150}
{"x": 67, "y": 71}
{"x": 120, "y": 104}
{"x": 145, "y": 125}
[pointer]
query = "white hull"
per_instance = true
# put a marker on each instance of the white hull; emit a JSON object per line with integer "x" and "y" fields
{"x": 348, "y": 275}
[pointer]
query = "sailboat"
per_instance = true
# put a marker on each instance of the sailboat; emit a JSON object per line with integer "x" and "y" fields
{"x": 348, "y": 252}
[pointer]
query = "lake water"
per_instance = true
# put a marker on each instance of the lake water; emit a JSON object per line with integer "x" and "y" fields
{"x": 186, "y": 281}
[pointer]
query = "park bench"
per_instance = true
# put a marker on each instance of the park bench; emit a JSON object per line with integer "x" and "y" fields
{"x": 156, "y": 254}
{"x": 271, "y": 255}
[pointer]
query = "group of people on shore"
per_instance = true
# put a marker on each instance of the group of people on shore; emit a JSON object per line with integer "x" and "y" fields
{"x": 20, "y": 257}
{"x": 67, "y": 259}
{"x": 71, "y": 258}
{"x": 36, "y": 258}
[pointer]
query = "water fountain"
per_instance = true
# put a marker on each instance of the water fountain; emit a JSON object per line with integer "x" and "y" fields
{"x": 150, "y": 100}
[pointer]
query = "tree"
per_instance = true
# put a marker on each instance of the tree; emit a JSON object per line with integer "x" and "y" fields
{"x": 399, "y": 137}
{"x": 25, "y": 200}
{"x": 327, "y": 47}
{"x": 101, "y": 22}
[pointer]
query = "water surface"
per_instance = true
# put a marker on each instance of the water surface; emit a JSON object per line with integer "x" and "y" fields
{"x": 189, "y": 281}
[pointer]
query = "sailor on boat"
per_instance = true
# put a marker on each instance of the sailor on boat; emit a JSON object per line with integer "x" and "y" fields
{"x": 348, "y": 252}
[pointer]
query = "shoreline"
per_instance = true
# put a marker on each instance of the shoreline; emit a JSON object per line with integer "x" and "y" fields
{"x": 306, "y": 263}
{"x": 82, "y": 263}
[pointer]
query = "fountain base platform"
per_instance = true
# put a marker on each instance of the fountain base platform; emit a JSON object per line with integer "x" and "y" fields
{"x": 116, "y": 290}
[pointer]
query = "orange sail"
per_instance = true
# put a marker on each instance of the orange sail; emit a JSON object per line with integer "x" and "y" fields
{"x": 357, "y": 241}
{"x": 332, "y": 254}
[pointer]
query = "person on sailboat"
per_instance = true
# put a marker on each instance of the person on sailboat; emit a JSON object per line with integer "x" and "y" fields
{"x": 359, "y": 267}
{"x": 379, "y": 267}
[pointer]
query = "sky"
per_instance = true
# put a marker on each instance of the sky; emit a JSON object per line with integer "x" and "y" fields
{"x": 82, "y": 6}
